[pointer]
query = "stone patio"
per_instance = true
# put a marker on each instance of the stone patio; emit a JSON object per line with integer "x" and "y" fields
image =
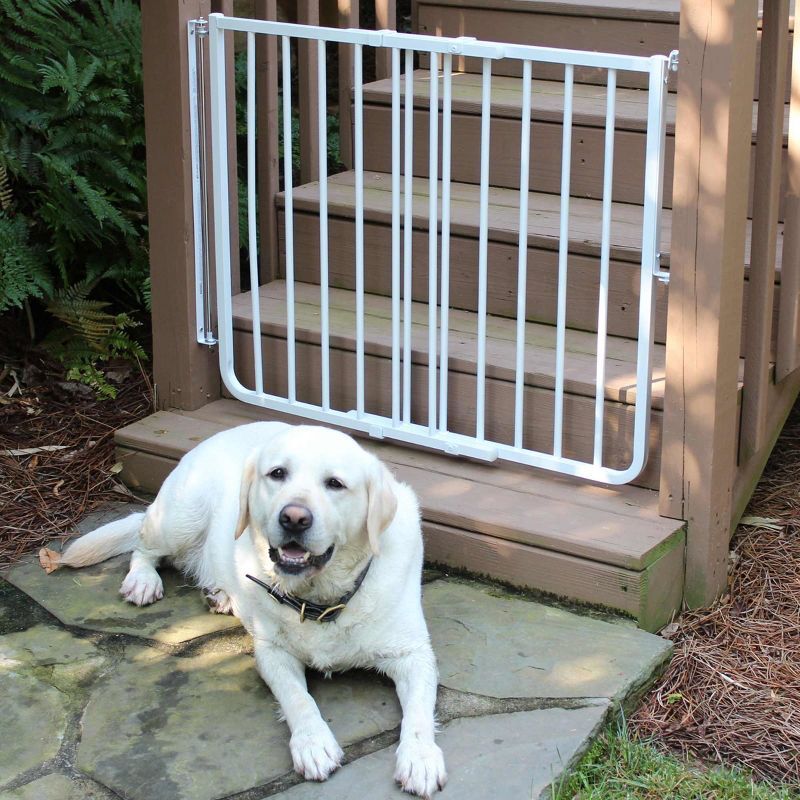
{"x": 100, "y": 699}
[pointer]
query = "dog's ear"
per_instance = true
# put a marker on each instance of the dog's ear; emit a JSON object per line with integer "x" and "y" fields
{"x": 382, "y": 503}
{"x": 248, "y": 474}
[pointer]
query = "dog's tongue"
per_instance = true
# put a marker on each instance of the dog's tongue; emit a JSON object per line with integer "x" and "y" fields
{"x": 293, "y": 550}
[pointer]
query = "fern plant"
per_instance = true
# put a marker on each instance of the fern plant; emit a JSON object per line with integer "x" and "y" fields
{"x": 89, "y": 335}
{"x": 72, "y": 166}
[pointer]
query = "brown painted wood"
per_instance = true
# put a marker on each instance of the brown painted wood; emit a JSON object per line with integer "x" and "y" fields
{"x": 543, "y": 215}
{"x": 636, "y": 28}
{"x": 717, "y": 43}
{"x": 348, "y": 18}
{"x": 588, "y": 137}
{"x": 500, "y": 502}
{"x": 185, "y": 373}
{"x": 538, "y": 424}
{"x": 582, "y": 288}
{"x": 540, "y": 340}
{"x": 307, "y": 59}
{"x": 267, "y": 139}
{"x": 643, "y": 37}
{"x": 385, "y": 20}
{"x": 768, "y": 163}
{"x": 788, "y": 348}
{"x": 533, "y": 567}
{"x": 642, "y": 535}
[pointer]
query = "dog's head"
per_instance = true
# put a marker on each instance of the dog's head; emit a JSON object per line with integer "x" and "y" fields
{"x": 311, "y": 492}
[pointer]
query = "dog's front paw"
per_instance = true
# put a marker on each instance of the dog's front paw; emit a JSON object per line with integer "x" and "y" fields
{"x": 142, "y": 587}
{"x": 315, "y": 752}
{"x": 218, "y": 601}
{"x": 420, "y": 768}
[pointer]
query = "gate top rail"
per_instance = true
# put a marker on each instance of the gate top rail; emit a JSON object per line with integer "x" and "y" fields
{"x": 461, "y": 46}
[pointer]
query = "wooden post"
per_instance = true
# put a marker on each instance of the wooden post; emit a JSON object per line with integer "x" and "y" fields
{"x": 385, "y": 19}
{"x": 267, "y": 68}
{"x": 766, "y": 199}
{"x": 308, "y": 14}
{"x": 348, "y": 18}
{"x": 185, "y": 373}
{"x": 712, "y": 160}
{"x": 788, "y": 355}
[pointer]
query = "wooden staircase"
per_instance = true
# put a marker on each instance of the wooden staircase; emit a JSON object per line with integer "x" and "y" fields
{"x": 537, "y": 530}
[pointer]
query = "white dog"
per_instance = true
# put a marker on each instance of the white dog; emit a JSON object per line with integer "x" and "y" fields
{"x": 310, "y": 541}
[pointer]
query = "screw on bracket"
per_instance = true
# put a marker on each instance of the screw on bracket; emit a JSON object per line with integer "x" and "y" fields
{"x": 200, "y": 27}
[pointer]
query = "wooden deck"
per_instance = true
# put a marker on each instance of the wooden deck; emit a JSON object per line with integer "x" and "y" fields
{"x": 599, "y": 545}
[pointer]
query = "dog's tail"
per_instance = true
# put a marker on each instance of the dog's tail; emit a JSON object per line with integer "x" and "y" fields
{"x": 112, "y": 539}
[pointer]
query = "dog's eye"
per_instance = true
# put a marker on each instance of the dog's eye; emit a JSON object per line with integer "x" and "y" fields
{"x": 334, "y": 483}
{"x": 277, "y": 474}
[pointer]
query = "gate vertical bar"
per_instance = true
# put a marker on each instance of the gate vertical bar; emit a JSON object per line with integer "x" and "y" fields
{"x": 219, "y": 139}
{"x": 563, "y": 246}
{"x": 605, "y": 246}
{"x": 288, "y": 214}
{"x": 447, "y": 80}
{"x": 359, "y": 165}
{"x": 408, "y": 231}
{"x": 252, "y": 248}
{"x": 522, "y": 254}
{"x": 483, "y": 243}
{"x": 651, "y": 245}
{"x": 396, "y": 237}
{"x": 322, "y": 146}
{"x": 433, "y": 227}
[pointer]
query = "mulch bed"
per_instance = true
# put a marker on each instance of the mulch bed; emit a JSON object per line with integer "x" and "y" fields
{"x": 57, "y": 451}
{"x": 732, "y": 691}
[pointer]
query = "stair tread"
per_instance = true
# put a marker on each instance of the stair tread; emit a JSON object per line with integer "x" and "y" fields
{"x": 649, "y": 10}
{"x": 543, "y": 215}
{"x": 547, "y": 101}
{"x": 614, "y": 525}
{"x": 580, "y": 353}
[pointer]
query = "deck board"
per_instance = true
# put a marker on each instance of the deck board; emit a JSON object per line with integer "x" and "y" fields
{"x": 543, "y": 216}
{"x": 540, "y": 340}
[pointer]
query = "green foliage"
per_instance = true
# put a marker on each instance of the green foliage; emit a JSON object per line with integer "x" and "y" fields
{"x": 619, "y": 767}
{"x": 89, "y": 335}
{"x": 72, "y": 172}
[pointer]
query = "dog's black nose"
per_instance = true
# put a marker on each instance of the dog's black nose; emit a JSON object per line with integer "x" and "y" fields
{"x": 295, "y": 518}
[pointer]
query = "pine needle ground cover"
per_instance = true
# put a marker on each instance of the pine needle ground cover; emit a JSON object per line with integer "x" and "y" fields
{"x": 732, "y": 691}
{"x": 57, "y": 459}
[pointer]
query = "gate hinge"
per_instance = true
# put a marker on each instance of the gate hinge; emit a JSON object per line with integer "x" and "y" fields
{"x": 199, "y": 27}
{"x": 674, "y": 60}
{"x": 661, "y": 274}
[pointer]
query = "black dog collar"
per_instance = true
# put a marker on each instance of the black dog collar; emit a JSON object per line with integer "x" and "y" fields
{"x": 306, "y": 608}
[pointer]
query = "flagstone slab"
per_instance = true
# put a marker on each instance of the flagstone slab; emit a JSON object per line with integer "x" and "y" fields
{"x": 506, "y": 756}
{"x": 34, "y": 720}
{"x": 66, "y": 658}
{"x": 89, "y": 597}
{"x": 496, "y": 644}
{"x": 168, "y": 728}
{"x": 55, "y": 787}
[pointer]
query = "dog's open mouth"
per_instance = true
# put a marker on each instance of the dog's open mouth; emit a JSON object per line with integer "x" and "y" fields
{"x": 293, "y": 558}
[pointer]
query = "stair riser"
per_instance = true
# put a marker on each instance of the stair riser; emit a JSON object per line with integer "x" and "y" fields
{"x": 587, "y": 32}
{"x": 578, "y": 410}
{"x": 586, "y": 171}
{"x": 542, "y": 282}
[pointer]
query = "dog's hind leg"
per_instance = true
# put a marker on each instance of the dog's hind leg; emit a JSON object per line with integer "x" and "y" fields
{"x": 143, "y": 584}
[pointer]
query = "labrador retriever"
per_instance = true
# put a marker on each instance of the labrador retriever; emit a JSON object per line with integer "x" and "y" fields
{"x": 316, "y": 548}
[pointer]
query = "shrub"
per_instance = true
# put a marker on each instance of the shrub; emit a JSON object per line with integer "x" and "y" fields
{"x": 72, "y": 168}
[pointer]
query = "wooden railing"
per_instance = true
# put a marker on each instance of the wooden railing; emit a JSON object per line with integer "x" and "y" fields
{"x": 714, "y": 447}
{"x": 708, "y": 472}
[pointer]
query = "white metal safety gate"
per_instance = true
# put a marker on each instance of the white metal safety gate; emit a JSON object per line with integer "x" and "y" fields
{"x": 400, "y": 425}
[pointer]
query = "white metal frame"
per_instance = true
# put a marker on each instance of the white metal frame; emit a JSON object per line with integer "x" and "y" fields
{"x": 399, "y": 426}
